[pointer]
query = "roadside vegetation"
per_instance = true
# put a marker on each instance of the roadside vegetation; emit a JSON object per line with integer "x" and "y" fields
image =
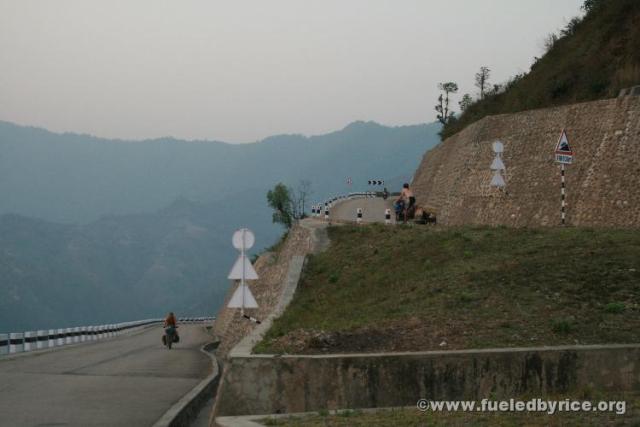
{"x": 411, "y": 417}
{"x": 592, "y": 57}
{"x": 403, "y": 288}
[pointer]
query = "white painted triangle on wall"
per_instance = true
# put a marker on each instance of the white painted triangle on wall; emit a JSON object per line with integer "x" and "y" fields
{"x": 236, "y": 299}
{"x": 497, "y": 164}
{"x": 497, "y": 180}
{"x": 236, "y": 271}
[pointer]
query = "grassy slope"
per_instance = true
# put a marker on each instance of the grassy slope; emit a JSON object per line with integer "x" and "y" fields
{"x": 599, "y": 58}
{"x": 411, "y": 288}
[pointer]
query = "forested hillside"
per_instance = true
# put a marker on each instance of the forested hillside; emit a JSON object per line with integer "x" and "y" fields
{"x": 593, "y": 57}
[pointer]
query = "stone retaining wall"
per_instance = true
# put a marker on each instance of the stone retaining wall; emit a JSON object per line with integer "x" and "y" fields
{"x": 280, "y": 384}
{"x": 603, "y": 185}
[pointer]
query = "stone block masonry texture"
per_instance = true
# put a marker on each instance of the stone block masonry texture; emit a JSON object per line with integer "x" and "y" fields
{"x": 263, "y": 384}
{"x": 603, "y": 184}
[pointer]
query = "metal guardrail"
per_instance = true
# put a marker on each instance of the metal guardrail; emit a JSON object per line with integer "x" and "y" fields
{"x": 20, "y": 342}
{"x": 323, "y": 209}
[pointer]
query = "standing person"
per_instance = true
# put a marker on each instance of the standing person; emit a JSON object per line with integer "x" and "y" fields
{"x": 406, "y": 195}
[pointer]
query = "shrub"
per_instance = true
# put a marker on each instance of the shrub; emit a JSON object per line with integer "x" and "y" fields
{"x": 614, "y": 307}
{"x": 562, "y": 326}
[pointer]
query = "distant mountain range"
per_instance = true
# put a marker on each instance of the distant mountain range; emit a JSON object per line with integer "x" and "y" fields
{"x": 97, "y": 230}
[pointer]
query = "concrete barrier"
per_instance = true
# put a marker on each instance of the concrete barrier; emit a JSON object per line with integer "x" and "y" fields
{"x": 266, "y": 384}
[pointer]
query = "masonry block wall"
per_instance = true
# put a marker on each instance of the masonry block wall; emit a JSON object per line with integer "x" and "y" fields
{"x": 603, "y": 184}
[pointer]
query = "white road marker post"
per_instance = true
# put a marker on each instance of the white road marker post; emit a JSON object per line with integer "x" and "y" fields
{"x": 359, "y": 215}
{"x": 242, "y": 270}
{"x": 387, "y": 216}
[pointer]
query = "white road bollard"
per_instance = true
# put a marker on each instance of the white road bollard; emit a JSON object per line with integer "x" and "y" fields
{"x": 359, "y": 215}
{"x": 68, "y": 336}
{"x": 387, "y": 216}
{"x": 51, "y": 336}
{"x": 42, "y": 340}
{"x": 16, "y": 342}
{"x": 100, "y": 332}
{"x": 76, "y": 334}
{"x": 83, "y": 333}
{"x": 4, "y": 344}
{"x": 30, "y": 340}
{"x": 60, "y": 339}
{"x": 326, "y": 211}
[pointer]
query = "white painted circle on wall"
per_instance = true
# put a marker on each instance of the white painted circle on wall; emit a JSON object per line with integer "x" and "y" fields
{"x": 498, "y": 147}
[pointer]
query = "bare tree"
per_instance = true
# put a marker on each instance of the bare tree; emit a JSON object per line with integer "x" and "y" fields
{"x": 549, "y": 42}
{"x": 303, "y": 194}
{"x": 299, "y": 198}
{"x": 482, "y": 80}
{"x": 442, "y": 107}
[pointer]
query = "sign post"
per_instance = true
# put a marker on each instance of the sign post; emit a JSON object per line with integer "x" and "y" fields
{"x": 564, "y": 156}
{"x": 242, "y": 270}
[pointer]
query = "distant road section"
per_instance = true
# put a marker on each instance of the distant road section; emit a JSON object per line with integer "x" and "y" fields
{"x": 131, "y": 380}
{"x": 372, "y": 209}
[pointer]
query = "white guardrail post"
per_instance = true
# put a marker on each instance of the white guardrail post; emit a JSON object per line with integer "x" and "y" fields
{"x": 16, "y": 342}
{"x": 30, "y": 340}
{"x": 4, "y": 344}
{"x": 52, "y": 338}
{"x": 43, "y": 339}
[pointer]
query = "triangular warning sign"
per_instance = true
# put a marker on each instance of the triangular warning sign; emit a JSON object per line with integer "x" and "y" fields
{"x": 563, "y": 144}
{"x": 236, "y": 271}
{"x": 242, "y": 297}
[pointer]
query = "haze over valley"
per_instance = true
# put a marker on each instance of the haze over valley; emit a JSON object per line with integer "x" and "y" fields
{"x": 96, "y": 230}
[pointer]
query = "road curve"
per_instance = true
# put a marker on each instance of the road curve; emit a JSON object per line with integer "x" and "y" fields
{"x": 131, "y": 380}
{"x": 372, "y": 209}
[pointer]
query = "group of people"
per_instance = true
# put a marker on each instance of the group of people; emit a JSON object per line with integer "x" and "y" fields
{"x": 405, "y": 204}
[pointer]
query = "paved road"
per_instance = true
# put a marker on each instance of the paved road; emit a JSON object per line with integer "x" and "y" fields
{"x": 372, "y": 209}
{"x": 131, "y": 380}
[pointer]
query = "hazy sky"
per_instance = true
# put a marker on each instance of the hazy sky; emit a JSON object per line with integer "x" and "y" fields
{"x": 239, "y": 70}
